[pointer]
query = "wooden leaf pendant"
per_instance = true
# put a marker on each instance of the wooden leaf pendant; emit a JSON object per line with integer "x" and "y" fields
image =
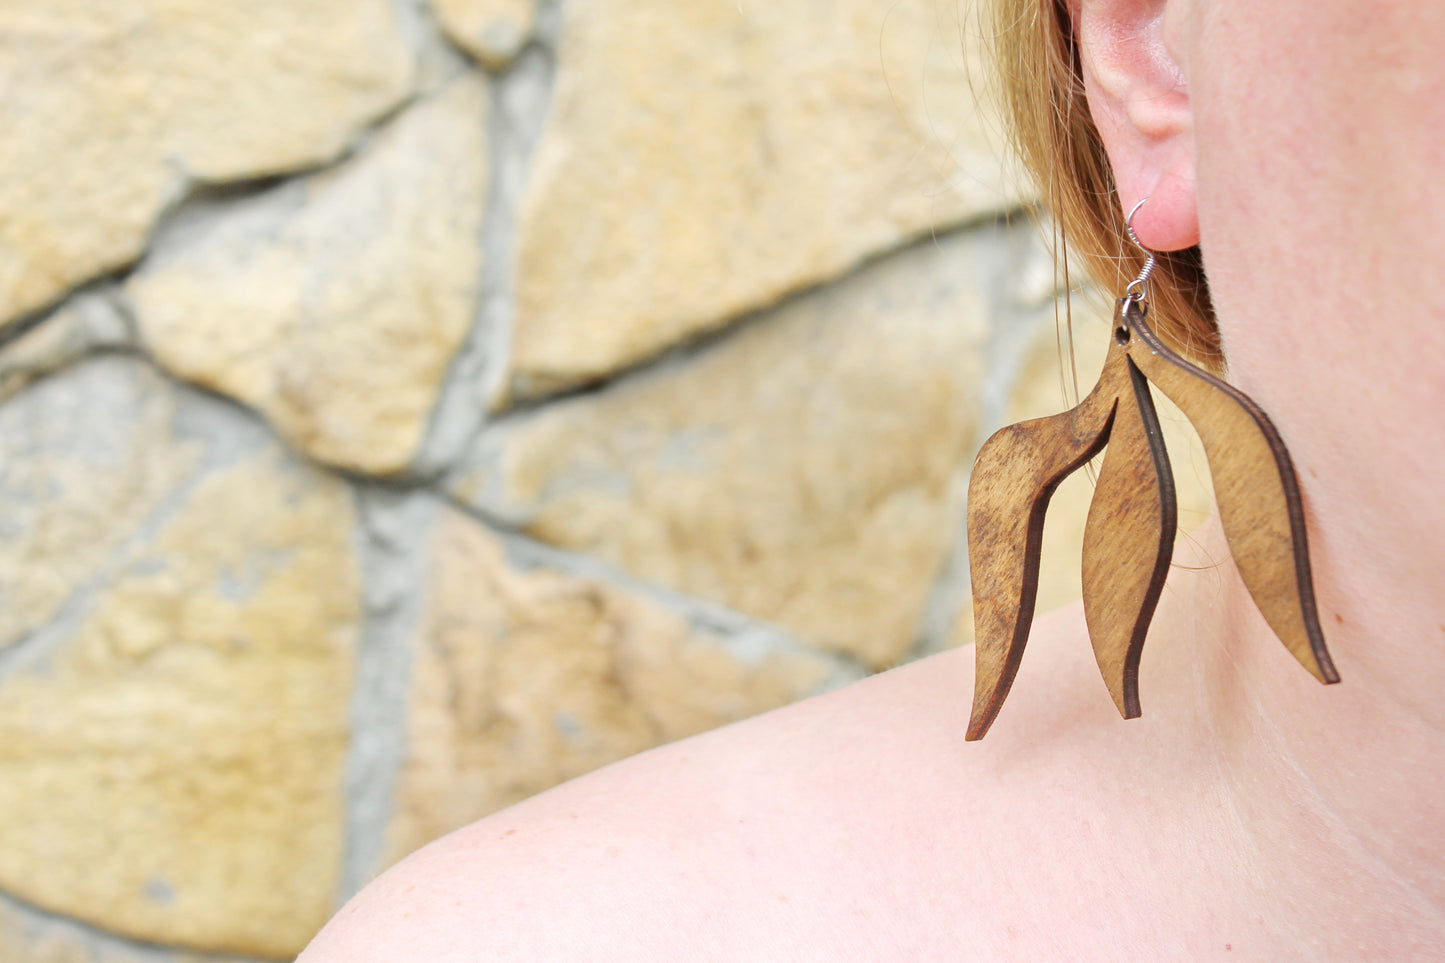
{"x": 1129, "y": 535}
{"x": 1128, "y": 541}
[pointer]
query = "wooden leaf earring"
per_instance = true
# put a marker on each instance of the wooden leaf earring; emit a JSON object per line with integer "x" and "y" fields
{"x": 1129, "y": 534}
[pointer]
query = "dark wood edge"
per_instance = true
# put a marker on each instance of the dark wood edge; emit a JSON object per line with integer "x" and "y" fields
{"x": 1134, "y": 316}
{"x": 983, "y": 715}
{"x": 1168, "y": 527}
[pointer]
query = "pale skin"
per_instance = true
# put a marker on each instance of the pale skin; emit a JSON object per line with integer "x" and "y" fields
{"x": 1251, "y": 813}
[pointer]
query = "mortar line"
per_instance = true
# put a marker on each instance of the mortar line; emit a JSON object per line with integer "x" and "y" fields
{"x": 519, "y": 105}
{"x": 391, "y": 537}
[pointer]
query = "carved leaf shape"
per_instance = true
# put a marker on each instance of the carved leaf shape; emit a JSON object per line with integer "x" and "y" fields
{"x": 1128, "y": 542}
{"x": 1256, "y": 490}
{"x": 1017, "y": 470}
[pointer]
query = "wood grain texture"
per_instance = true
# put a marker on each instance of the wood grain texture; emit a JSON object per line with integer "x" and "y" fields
{"x": 1017, "y": 470}
{"x": 1256, "y": 491}
{"x": 1128, "y": 542}
{"x": 1129, "y": 535}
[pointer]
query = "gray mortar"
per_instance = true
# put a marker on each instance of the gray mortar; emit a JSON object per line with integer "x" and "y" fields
{"x": 548, "y": 21}
{"x": 516, "y": 117}
{"x": 438, "y": 62}
{"x": 107, "y": 321}
{"x": 392, "y": 544}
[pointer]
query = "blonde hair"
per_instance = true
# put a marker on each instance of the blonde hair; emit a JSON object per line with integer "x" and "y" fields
{"x": 1042, "y": 91}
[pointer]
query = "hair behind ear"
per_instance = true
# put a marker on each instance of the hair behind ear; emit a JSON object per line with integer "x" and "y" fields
{"x": 1037, "y": 60}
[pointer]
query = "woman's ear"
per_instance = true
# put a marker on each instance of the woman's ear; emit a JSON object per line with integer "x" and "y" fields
{"x": 1139, "y": 99}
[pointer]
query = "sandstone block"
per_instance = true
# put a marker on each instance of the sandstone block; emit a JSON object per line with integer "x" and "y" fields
{"x": 704, "y": 159}
{"x": 802, "y": 471}
{"x": 113, "y": 109}
{"x": 334, "y": 306}
{"x": 171, "y": 750}
{"x": 524, "y": 679}
{"x": 493, "y": 31}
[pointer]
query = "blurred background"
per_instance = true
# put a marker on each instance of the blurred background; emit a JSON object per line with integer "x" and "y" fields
{"x": 407, "y": 405}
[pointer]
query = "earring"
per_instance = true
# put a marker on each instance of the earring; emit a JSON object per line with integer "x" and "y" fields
{"x": 1129, "y": 534}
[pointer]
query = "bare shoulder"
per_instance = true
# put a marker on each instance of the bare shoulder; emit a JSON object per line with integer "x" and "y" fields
{"x": 654, "y": 853}
{"x": 857, "y": 824}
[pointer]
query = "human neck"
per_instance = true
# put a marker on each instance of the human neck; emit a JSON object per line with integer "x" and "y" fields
{"x": 1343, "y": 785}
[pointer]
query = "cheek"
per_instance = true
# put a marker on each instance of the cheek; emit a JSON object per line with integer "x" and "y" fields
{"x": 1321, "y": 133}
{"x": 1320, "y": 130}
{"x": 1258, "y": 132}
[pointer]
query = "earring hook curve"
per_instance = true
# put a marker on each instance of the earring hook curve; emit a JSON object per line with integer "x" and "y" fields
{"x": 1138, "y": 289}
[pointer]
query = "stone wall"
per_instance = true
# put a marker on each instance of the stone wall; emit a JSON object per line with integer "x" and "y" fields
{"x": 406, "y": 406}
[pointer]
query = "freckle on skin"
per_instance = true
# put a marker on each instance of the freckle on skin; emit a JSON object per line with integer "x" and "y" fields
{"x": 1341, "y": 619}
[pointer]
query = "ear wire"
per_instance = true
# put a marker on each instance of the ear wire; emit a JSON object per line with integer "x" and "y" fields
{"x": 1138, "y": 289}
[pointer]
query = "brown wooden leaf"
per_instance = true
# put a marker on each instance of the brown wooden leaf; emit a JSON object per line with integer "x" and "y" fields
{"x": 1128, "y": 542}
{"x": 1256, "y": 490}
{"x": 1017, "y": 470}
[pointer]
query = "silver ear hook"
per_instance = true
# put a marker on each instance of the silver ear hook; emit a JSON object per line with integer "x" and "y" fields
{"x": 1138, "y": 289}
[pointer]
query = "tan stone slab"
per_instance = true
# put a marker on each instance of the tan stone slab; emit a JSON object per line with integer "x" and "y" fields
{"x": 524, "y": 679}
{"x": 29, "y": 938}
{"x": 112, "y": 108}
{"x": 1045, "y": 387}
{"x": 85, "y": 460}
{"x": 171, "y": 762}
{"x": 704, "y": 159}
{"x": 334, "y": 308}
{"x": 493, "y": 31}
{"x": 801, "y": 471}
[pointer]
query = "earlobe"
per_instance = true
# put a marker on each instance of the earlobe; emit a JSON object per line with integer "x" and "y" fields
{"x": 1139, "y": 99}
